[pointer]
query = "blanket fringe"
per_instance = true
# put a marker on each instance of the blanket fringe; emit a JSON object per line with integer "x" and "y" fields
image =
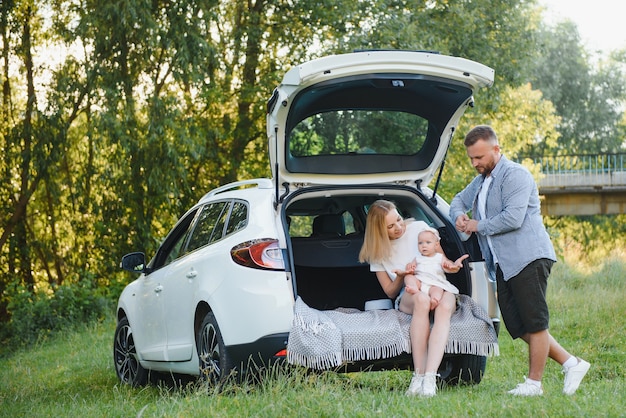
{"x": 374, "y": 353}
{"x": 323, "y": 362}
{"x": 331, "y": 360}
{"x": 472, "y": 347}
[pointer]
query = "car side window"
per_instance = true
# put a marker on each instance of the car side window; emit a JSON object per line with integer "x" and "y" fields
{"x": 218, "y": 230}
{"x": 301, "y": 225}
{"x": 348, "y": 221}
{"x": 238, "y": 217}
{"x": 210, "y": 225}
{"x": 176, "y": 250}
{"x": 172, "y": 247}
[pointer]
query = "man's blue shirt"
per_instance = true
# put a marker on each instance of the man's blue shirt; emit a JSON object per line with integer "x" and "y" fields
{"x": 512, "y": 218}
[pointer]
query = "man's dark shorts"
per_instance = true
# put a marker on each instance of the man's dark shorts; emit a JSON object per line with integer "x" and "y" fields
{"x": 522, "y": 298}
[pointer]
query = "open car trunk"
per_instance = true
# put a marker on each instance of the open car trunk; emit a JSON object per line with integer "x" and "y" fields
{"x": 326, "y": 229}
{"x": 326, "y": 238}
{"x": 346, "y": 130}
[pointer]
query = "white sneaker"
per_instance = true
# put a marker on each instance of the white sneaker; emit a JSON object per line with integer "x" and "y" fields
{"x": 574, "y": 375}
{"x": 527, "y": 389}
{"x": 415, "y": 388}
{"x": 430, "y": 385}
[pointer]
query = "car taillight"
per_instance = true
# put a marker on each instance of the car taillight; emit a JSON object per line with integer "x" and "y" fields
{"x": 259, "y": 254}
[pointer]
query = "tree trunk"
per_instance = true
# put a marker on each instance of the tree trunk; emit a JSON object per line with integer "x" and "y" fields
{"x": 27, "y": 140}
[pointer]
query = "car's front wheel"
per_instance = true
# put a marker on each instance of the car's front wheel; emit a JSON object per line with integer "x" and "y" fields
{"x": 215, "y": 363}
{"x": 127, "y": 365}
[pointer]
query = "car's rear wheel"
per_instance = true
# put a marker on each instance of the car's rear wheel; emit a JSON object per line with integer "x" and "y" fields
{"x": 127, "y": 366}
{"x": 215, "y": 363}
{"x": 464, "y": 369}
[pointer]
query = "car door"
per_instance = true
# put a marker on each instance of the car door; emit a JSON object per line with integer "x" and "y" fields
{"x": 149, "y": 334}
{"x": 152, "y": 328}
{"x": 181, "y": 286}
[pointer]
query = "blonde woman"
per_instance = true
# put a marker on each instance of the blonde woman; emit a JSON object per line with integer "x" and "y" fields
{"x": 390, "y": 244}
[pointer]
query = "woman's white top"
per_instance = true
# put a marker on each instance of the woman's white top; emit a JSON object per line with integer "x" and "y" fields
{"x": 403, "y": 250}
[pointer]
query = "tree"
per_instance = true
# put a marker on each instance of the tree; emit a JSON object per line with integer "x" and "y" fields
{"x": 154, "y": 103}
{"x": 525, "y": 124}
{"x": 18, "y": 141}
{"x": 479, "y": 30}
{"x": 588, "y": 100}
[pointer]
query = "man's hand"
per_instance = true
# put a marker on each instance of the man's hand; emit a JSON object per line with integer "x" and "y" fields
{"x": 461, "y": 222}
{"x": 465, "y": 224}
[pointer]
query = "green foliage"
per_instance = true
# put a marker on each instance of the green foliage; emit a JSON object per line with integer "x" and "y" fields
{"x": 358, "y": 132}
{"x": 525, "y": 124}
{"x": 37, "y": 316}
{"x": 588, "y": 98}
{"x": 588, "y": 241}
{"x": 479, "y": 30}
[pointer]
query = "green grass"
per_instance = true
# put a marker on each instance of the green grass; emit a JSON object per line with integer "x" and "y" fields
{"x": 73, "y": 375}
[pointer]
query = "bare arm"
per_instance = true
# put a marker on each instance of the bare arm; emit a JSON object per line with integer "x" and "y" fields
{"x": 452, "y": 267}
{"x": 391, "y": 287}
{"x": 448, "y": 265}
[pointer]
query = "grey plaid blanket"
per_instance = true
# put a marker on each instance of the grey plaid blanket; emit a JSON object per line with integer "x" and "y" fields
{"x": 328, "y": 339}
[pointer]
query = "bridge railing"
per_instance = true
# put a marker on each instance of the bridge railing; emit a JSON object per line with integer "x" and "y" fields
{"x": 581, "y": 171}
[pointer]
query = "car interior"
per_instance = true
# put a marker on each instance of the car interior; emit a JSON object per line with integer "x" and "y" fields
{"x": 328, "y": 273}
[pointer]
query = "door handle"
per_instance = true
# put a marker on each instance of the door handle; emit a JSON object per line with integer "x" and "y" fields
{"x": 192, "y": 274}
{"x": 158, "y": 289}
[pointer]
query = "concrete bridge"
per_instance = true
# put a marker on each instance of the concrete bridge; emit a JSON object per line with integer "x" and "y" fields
{"x": 582, "y": 184}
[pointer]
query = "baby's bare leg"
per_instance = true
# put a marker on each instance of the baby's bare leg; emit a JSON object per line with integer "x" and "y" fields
{"x": 435, "y": 293}
{"x": 411, "y": 284}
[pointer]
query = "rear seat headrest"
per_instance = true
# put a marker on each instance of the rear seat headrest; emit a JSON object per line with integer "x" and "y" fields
{"x": 328, "y": 225}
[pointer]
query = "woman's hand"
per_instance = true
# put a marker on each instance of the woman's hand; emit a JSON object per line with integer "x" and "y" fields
{"x": 411, "y": 267}
{"x": 401, "y": 273}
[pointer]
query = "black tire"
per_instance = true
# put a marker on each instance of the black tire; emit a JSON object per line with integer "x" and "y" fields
{"x": 463, "y": 369}
{"x": 127, "y": 366}
{"x": 215, "y": 363}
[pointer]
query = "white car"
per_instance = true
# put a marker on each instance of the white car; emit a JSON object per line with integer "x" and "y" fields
{"x": 218, "y": 296}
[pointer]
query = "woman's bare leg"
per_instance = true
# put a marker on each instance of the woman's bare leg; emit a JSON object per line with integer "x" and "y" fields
{"x": 436, "y": 294}
{"x": 418, "y": 305}
{"x": 440, "y": 332}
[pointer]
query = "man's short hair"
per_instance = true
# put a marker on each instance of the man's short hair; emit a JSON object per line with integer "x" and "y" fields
{"x": 484, "y": 132}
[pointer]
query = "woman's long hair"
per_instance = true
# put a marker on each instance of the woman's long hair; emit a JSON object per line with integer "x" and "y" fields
{"x": 376, "y": 244}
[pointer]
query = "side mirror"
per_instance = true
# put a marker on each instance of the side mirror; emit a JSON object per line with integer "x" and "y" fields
{"x": 134, "y": 262}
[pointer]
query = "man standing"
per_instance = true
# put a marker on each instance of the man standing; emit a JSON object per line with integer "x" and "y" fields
{"x": 506, "y": 216}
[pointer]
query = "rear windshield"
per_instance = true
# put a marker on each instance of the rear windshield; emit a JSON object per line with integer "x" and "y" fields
{"x": 358, "y": 132}
{"x": 370, "y": 123}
